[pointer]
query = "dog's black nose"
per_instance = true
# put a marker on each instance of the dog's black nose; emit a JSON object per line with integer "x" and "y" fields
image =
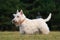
{"x": 13, "y": 21}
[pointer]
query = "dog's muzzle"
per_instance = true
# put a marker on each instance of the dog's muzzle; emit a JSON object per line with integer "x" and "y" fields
{"x": 13, "y": 21}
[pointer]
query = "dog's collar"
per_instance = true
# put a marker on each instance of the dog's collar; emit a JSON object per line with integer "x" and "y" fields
{"x": 22, "y": 21}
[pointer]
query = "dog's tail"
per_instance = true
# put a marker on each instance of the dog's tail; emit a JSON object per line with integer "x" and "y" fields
{"x": 48, "y": 18}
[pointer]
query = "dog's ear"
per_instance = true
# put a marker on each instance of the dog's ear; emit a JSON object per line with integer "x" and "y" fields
{"x": 21, "y": 12}
{"x": 17, "y": 11}
{"x": 14, "y": 14}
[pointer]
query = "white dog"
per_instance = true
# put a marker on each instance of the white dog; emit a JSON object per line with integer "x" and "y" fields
{"x": 29, "y": 26}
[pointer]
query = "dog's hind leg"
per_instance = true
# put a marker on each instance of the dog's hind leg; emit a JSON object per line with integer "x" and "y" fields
{"x": 44, "y": 28}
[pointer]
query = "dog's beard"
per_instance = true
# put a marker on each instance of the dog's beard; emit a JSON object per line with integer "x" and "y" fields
{"x": 16, "y": 24}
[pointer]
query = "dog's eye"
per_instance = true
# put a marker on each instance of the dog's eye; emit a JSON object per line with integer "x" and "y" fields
{"x": 18, "y": 16}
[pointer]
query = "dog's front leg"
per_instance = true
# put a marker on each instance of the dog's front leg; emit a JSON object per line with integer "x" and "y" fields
{"x": 21, "y": 30}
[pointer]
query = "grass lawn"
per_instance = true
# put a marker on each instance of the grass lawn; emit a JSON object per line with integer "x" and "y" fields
{"x": 17, "y": 36}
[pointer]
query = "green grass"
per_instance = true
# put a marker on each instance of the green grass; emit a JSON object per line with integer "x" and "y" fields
{"x": 18, "y": 36}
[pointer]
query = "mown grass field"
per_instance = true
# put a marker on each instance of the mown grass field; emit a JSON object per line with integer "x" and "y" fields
{"x": 18, "y": 36}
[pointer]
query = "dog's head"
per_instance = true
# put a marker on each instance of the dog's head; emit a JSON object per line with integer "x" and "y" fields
{"x": 18, "y": 17}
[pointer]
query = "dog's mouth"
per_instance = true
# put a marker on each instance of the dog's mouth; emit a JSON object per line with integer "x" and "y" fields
{"x": 14, "y": 22}
{"x": 17, "y": 22}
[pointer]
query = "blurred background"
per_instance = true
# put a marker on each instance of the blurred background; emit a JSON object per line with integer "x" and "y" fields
{"x": 32, "y": 9}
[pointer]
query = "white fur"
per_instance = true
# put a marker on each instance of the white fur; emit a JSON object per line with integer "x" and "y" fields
{"x": 32, "y": 26}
